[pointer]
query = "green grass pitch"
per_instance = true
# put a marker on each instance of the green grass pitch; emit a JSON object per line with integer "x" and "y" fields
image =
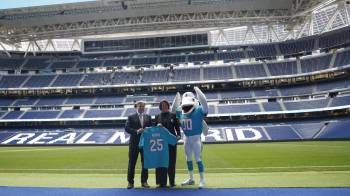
{"x": 277, "y": 164}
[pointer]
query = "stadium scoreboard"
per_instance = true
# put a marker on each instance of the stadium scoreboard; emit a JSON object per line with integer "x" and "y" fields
{"x": 147, "y": 43}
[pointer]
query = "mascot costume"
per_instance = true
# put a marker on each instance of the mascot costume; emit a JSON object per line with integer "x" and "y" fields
{"x": 191, "y": 112}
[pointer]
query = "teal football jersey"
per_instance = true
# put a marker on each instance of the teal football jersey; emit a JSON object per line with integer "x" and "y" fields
{"x": 155, "y": 141}
{"x": 191, "y": 124}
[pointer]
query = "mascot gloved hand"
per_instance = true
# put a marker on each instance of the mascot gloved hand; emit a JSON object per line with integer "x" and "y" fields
{"x": 191, "y": 111}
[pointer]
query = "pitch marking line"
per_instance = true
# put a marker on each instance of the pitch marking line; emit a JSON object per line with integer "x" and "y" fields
{"x": 49, "y": 149}
{"x": 208, "y": 169}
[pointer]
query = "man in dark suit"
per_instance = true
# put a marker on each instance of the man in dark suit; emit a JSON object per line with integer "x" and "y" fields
{"x": 135, "y": 126}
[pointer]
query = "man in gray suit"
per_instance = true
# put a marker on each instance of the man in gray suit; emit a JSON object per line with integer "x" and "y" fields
{"x": 135, "y": 126}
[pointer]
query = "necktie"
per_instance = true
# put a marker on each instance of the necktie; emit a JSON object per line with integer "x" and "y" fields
{"x": 141, "y": 119}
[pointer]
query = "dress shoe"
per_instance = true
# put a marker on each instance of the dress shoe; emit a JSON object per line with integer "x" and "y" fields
{"x": 130, "y": 186}
{"x": 145, "y": 185}
{"x": 162, "y": 186}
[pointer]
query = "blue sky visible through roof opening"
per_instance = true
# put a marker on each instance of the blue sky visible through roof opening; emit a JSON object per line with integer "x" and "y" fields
{"x": 8, "y": 4}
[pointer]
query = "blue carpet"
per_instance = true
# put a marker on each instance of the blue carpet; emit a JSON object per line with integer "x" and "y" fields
{"x": 34, "y": 191}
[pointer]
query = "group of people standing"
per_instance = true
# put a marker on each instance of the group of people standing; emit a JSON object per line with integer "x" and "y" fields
{"x": 187, "y": 113}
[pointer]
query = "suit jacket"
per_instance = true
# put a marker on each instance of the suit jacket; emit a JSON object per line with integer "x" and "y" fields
{"x": 133, "y": 124}
{"x": 169, "y": 121}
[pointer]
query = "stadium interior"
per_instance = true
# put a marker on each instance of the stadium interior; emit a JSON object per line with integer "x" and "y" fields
{"x": 305, "y": 82}
{"x": 272, "y": 70}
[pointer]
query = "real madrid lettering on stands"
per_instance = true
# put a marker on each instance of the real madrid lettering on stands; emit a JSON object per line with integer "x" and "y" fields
{"x": 119, "y": 137}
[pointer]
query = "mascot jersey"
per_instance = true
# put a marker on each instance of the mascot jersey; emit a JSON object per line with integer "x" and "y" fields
{"x": 191, "y": 123}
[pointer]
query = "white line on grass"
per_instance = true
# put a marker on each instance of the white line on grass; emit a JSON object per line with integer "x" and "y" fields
{"x": 313, "y": 145}
{"x": 36, "y": 149}
{"x": 47, "y": 149}
{"x": 208, "y": 169}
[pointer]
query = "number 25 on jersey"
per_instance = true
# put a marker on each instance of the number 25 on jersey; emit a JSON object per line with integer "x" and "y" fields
{"x": 156, "y": 145}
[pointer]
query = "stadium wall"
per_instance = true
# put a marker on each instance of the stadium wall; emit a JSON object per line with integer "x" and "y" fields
{"x": 224, "y": 133}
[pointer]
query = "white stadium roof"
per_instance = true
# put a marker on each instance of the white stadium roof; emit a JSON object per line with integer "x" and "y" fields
{"x": 61, "y": 27}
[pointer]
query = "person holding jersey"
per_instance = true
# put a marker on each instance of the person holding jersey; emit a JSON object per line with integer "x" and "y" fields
{"x": 169, "y": 121}
{"x": 134, "y": 126}
{"x": 155, "y": 142}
